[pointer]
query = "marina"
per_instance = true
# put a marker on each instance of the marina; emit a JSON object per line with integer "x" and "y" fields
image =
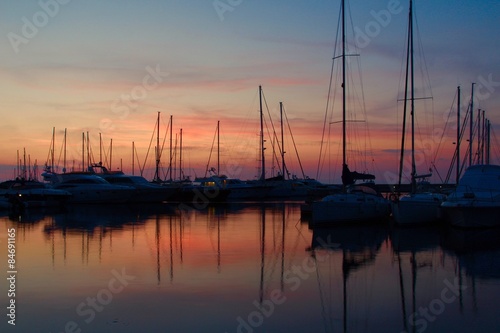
{"x": 344, "y": 189}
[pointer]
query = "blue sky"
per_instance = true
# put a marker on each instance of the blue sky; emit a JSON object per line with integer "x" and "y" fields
{"x": 75, "y": 68}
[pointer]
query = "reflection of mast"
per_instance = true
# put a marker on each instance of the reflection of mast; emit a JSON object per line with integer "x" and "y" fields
{"x": 282, "y": 250}
{"x": 218, "y": 244}
{"x": 402, "y": 290}
{"x": 100, "y": 243}
{"x": 171, "y": 251}
{"x": 157, "y": 238}
{"x": 345, "y": 274}
{"x": 262, "y": 253}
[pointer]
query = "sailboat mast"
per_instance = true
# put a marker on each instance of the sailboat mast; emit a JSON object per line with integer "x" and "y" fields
{"x": 343, "y": 89}
{"x": 171, "y": 151}
{"x": 83, "y": 151}
{"x": 133, "y": 157}
{"x": 180, "y": 155}
{"x": 458, "y": 135}
{"x": 52, "y": 149}
{"x": 263, "y": 162}
{"x": 483, "y": 139}
{"x": 218, "y": 147}
{"x": 64, "y": 161}
{"x": 18, "y": 162}
{"x": 471, "y": 123}
{"x": 488, "y": 142}
{"x": 412, "y": 112}
{"x": 88, "y": 150}
{"x": 24, "y": 164}
{"x": 405, "y": 105}
{"x": 282, "y": 142}
{"x": 157, "y": 167}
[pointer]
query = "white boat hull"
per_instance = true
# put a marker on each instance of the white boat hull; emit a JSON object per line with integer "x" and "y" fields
{"x": 349, "y": 208}
{"x": 420, "y": 208}
{"x": 476, "y": 201}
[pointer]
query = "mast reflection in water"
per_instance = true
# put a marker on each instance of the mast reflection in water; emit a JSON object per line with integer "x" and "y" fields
{"x": 246, "y": 268}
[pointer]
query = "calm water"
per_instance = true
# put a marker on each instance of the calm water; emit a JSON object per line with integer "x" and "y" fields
{"x": 244, "y": 268}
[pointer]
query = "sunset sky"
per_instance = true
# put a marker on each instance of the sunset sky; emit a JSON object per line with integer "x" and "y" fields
{"x": 109, "y": 66}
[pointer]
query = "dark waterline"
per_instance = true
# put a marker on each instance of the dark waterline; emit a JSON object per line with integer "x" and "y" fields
{"x": 245, "y": 268}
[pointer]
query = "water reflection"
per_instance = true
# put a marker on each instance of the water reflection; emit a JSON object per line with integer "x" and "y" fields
{"x": 220, "y": 269}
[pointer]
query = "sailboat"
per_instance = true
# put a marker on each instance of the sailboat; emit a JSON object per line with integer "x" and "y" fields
{"x": 357, "y": 202}
{"x": 416, "y": 207}
{"x": 235, "y": 188}
{"x": 280, "y": 187}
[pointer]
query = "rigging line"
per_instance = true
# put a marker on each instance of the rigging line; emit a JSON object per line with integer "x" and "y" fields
{"x": 211, "y": 150}
{"x": 318, "y": 171}
{"x": 454, "y": 159}
{"x": 325, "y": 119}
{"x": 160, "y": 152}
{"x": 275, "y": 157}
{"x": 149, "y": 148}
{"x": 446, "y": 125}
{"x": 137, "y": 158}
{"x": 367, "y": 142}
{"x": 437, "y": 172}
{"x": 424, "y": 71}
{"x": 294, "y": 145}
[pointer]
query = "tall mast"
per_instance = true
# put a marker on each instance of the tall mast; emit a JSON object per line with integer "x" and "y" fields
{"x": 218, "y": 147}
{"x": 282, "y": 142}
{"x": 479, "y": 138}
{"x": 263, "y": 162}
{"x": 24, "y": 164}
{"x": 133, "y": 157}
{"x": 19, "y": 165}
{"x": 100, "y": 149}
{"x": 344, "y": 164}
{"x": 488, "y": 141}
{"x": 52, "y": 149}
{"x": 412, "y": 111}
{"x": 157, "y": 173}
{"x": 111, "y": 154}
{"x": 83, "y": 151}
{"x": 458, "y": 135}
{"x": 171, "y": 151}
{"x": 483, "y": 139}
{"x": 405, "y": 105}
{"x": 64, "y": 161}
{"x": 180, "y": 156}
{"x": 471, "y": 123}
{"x": 88, "y": 150}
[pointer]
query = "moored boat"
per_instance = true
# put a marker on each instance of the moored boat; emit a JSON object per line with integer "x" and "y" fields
{"x": 89, "y": 188}
{"x": 476, "y": 201}
{"x": 355, "y": 203}
{"x": 21, "y": 193}
{"x": 417, "y": 207}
